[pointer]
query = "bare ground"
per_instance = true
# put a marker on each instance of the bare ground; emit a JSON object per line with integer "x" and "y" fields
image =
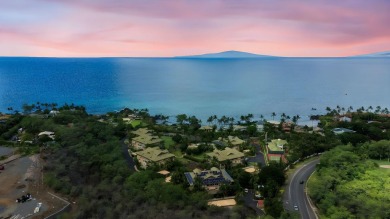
{"x": 22, "y": 176}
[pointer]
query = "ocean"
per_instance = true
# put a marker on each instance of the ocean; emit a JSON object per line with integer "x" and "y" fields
{"x": 200, "y": 87}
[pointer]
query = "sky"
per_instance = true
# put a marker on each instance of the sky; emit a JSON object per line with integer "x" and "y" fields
{"x": 164, "y": 28}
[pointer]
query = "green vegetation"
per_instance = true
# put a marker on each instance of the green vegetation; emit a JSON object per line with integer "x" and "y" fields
{"x": 136, "y": 123}
{"x": 346, "y": 185}
{"x": 168, "y": 142}
{"x": 86, "y": 162}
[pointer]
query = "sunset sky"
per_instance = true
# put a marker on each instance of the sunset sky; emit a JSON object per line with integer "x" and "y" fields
{"x": 150, "y": 28}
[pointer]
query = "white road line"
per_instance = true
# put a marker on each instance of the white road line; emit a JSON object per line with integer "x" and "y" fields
{"x": 308, "y": 198}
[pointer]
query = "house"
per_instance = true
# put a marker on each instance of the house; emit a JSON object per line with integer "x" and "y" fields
{"x": 144, "y": 139}
{"x": 239, "y": 128}
{"x": 153, "y": 155}
{"x": 206, "y": 128}
{"x": 141, "y": 131}
{"x": 4, "y": 118}
{"x": 231, "y": 141}
{"x": 339, "y": 131}
{"x": 227, "y": 154}
{"x": 210, "y": 179}
{"x": 286, "y": 127}
{"x": 48, "y": 134}
{"x": 54, "y": 112}
{"x": 274, "y": 123}
{"x": 275, "y": 150}
{"x": 276, "y": 146}
{"x": 344, "y": 119}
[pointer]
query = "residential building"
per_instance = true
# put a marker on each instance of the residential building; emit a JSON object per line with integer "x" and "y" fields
{"x": 227, "y": 154}
{"x": 276, "y": 146}
{"x": 207, "y": 128}
{"x": 144, "y": 139}
{"x": 231, "y": 141}
{"x": 275, "y": 150}
{"x": 210, "y": 179}
{"x": 153, "y": 155}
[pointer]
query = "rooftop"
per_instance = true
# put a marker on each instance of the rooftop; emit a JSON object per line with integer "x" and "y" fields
{"x": 226, "y": 154}
{"x": 141, "y": 131}
{"x": 209, "y": 177}
{"x": 155, "y": 154}
{"x": 147, "y": 139}
{"x": 232, "y": 140}
{"x": 235, "y": 140}
{"x": 207, "y": 128}
{"x": 277, "y": 145}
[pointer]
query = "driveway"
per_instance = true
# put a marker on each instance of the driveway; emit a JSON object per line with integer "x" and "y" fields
{"x": 250, "y": 202}
{"x": 259, "y": 156}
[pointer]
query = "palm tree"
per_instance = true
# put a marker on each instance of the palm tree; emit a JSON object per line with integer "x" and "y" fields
{"x": 369, "y": 108}
{"x": 210, "y": 120}
{"x": 378, "y": 109}
{"x": 273, "y": 115}
{"x": 328, "y": 109}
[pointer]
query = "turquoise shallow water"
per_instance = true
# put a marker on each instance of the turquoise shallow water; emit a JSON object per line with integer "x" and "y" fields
{"x": 200, "y": 87}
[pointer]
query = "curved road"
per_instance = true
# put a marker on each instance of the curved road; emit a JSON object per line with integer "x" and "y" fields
{"x": 295, "y": 192}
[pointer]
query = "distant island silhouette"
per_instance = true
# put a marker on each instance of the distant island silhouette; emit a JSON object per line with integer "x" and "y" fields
{"x": 227, "y": 54}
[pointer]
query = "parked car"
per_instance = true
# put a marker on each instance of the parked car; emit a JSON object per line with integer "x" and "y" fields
{"x": 24, "y": 198}
{"x": 246, "y": 190}
{"x": 296, "y": 207}
{"x": 1, "y": 167}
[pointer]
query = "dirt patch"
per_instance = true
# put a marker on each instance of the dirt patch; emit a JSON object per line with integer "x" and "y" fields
{"x": 223, "y": 203}
{"x": 385, "y": 166}
{"x": 250, "y": 169}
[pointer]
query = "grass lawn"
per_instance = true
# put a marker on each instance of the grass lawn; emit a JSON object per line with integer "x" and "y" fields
{"x": 168, "y": 142}
{"x": 135, "y": 123}
{"x": 200, "y": 156}
{"x": 381, "y": 162}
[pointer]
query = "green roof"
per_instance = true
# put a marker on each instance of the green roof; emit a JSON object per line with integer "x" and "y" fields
{"x": 155, "y": 154}
{"x": 147, "y": 139}
{"x": 233, "y": 140}
{"x": 226, "y": 154}
{"x": 141, "y": 131}
{"x": 277, "y": 145}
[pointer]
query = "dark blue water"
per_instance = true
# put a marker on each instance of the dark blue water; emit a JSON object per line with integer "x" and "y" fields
{"x": 200, "y": 87}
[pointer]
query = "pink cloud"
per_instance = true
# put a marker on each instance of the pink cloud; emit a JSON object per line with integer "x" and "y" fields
{"x": 168, "y": 28}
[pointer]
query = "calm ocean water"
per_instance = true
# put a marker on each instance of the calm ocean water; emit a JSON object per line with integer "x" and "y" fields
{"x": 200, "y": 87}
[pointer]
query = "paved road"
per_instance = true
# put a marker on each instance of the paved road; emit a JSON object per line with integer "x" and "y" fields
{"x": 259, "y": 158}
{"x": 129, "y": 159}
{"x": 295, "y": 192}
{"x": 250, "y": 202}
